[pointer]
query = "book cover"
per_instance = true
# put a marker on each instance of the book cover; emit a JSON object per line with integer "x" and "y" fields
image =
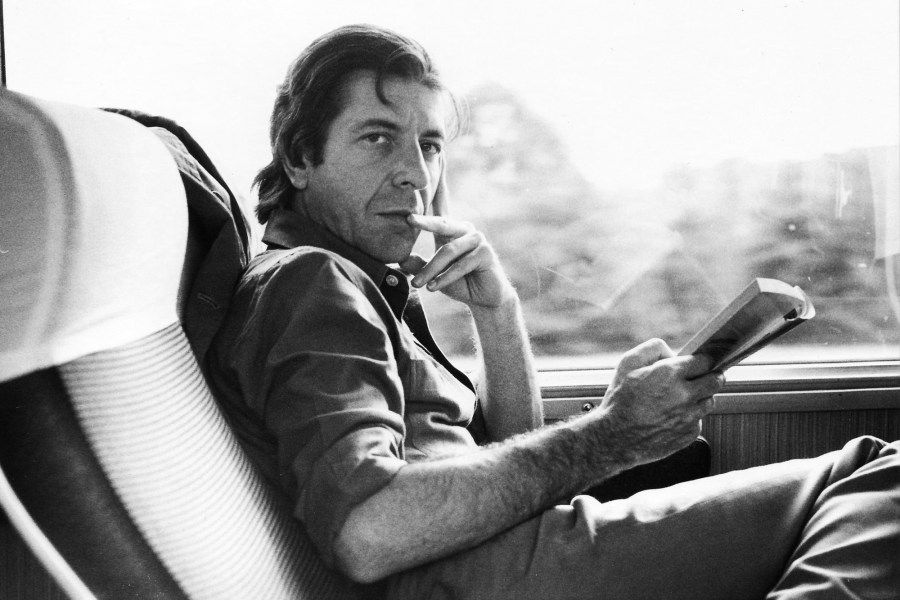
{"x": 764, "y": 311}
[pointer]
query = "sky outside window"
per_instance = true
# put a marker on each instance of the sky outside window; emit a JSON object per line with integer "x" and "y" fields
{"x": 631, "y": 86}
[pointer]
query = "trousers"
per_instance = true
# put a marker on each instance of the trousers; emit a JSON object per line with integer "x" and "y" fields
{"x": 826, "y": 527}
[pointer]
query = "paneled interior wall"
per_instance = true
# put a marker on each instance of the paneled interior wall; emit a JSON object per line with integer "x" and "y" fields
{"x": 741, "y": 440}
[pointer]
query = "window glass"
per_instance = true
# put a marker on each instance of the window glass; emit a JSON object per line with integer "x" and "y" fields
{"x": 634, "y": 163}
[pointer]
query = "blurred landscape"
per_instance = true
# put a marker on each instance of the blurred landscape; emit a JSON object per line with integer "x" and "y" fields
{"x": 600, "y": 271}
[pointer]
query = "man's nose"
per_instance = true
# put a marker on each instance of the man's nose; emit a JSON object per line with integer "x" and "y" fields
{"x": 412, "y": 170}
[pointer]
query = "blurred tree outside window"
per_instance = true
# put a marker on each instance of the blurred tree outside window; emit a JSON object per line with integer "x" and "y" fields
{"x": 599, "y": 273}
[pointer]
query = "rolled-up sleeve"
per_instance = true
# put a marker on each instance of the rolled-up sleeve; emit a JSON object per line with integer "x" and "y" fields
{"x": 325, "y": 383}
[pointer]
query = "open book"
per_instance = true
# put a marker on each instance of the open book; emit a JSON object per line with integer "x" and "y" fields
{"x": 765, "y": 310}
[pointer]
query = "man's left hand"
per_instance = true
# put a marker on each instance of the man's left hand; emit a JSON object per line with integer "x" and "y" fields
{"x": 464, "y": 266}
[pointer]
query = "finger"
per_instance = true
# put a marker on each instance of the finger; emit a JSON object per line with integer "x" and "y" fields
{"x": 707, "y": 385}
{"x": 697, "y": 365}
{"x": 413, "y": 264}
{"x": 463, "y": 266}
{"x": 645, "y": 354}
{"x": 445, "y": 257}
{"x": 691, "y": 417}
{"x": 443, "y": 229}
{"x": 701, "y": 410}
{"x": 707, "y": 405}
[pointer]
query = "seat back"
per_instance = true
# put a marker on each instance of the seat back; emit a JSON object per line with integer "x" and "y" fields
{"x": 109, "y": 436}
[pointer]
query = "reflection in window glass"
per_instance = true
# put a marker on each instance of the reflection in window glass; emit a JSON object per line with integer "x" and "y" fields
{"x": 600, "y": 273}
{"x": 635, "y": 163}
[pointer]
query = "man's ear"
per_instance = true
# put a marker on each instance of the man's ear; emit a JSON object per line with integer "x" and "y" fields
{"x": 296, "y": 172}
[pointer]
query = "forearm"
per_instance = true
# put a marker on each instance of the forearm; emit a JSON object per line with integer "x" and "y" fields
{"x": 510, "y": 396}
{"x": 436, "y": 508}
{"x": 432, "y": 509}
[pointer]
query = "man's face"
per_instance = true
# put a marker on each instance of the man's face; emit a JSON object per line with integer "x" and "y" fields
{"x": 381, "y": 162}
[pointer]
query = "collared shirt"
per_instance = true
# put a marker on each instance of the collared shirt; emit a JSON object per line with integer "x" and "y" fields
{"x": 323, "y": 379}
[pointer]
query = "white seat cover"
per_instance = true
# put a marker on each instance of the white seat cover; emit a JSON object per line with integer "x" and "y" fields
{"x": 93, "y": 224}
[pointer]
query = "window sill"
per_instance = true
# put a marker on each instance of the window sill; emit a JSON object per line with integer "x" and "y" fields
{"x": 751, "y": 388}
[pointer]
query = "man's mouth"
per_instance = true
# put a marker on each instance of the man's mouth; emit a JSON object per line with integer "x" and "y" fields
{"x": 398, "y": 212}
{"x": 397, "y": 220}
{"x": 400, "y": 216}
{"x": 405, "y": 206}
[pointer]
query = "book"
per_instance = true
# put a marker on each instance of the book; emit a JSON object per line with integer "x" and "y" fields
{"x": 764, "y": 311}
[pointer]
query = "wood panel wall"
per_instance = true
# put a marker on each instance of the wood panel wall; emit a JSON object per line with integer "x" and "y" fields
{"x": 741, "y": 440}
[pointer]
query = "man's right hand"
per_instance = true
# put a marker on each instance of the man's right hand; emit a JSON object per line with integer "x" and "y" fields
{"x": 656, "y": 400}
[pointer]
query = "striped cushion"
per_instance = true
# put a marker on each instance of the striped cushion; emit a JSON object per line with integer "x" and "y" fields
{"x": 182, "y": 476}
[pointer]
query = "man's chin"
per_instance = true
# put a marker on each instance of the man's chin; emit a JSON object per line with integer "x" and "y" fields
{"x": 394, "y": 249}
{"x": 393, "y": 255}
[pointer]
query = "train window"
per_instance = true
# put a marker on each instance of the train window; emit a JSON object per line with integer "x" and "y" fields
{"x": 635, "y": 163}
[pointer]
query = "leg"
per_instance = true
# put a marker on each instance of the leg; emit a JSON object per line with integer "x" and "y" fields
{"x": 730, "y": 537}
{"x": 850, "y": 547}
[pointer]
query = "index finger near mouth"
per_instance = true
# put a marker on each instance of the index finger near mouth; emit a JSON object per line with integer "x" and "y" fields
{"x": 440, "y": 225}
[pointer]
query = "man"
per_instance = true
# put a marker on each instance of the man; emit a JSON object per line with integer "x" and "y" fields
{"x": 399, "y": 473}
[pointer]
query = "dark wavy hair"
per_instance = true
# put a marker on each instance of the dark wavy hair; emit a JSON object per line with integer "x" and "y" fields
{"x": 311, "y": 97}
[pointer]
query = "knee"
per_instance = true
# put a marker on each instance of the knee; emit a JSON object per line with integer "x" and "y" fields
{"x": 863, "y": 451}
{"x": 867, "y": 448}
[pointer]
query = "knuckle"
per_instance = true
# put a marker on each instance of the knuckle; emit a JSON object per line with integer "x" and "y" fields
{"x": 654, "y": 345}
{"x": 656, "y": 342}
{"x": 633, "y": 353}
{"x": 446, "y": 248}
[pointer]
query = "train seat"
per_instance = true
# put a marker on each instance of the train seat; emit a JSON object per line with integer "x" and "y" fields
{"x": 116, "y": 467}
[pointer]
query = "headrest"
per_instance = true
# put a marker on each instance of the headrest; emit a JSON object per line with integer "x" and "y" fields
{"x": 93, "y": 224}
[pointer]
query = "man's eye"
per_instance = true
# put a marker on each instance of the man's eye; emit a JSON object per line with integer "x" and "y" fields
{"x": 377, "y": 138}
{"x": 431, "y": 149}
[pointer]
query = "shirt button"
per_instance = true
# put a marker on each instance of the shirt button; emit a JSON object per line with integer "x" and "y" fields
{"x": 391, "y": 280}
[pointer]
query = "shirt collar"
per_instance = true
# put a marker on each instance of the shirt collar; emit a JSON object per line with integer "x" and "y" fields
{"x": 288, "y": 229}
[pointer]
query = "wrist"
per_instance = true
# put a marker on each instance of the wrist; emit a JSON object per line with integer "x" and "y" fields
{"x": 507, "y": 303}
{"x": 602, "y": 449}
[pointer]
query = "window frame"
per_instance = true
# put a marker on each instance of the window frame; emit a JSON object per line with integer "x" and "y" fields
{"x": 788, "y": 387}
{"x": 785, "y": 387}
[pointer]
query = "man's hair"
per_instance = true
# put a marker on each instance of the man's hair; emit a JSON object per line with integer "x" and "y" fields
{"x": 312, "y": 96}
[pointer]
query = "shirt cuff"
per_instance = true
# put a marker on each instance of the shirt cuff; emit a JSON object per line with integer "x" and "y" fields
{"x": 352, "y": 470}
